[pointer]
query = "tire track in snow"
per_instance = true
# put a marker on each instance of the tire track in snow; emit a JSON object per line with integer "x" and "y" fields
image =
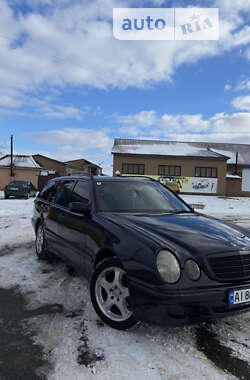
{"x": 222, "y": 356}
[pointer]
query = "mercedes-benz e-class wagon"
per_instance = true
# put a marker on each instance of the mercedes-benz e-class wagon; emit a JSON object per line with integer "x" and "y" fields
{"x": 148, "y": 255}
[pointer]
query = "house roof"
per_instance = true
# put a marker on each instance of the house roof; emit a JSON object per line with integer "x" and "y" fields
{"x": 36, "y": 157}
{"x": 165, "y": 148}
{"x": 81, "y": 161}
{"x": 64, "y": 164}
{"x": 22, "y": 161}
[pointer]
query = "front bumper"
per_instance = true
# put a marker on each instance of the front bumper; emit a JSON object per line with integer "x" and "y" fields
{"x": 183, "y": 307}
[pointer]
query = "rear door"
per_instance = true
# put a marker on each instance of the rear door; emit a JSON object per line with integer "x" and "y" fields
{"x": 58, "y": 208}
{"x": 73, "y": 228}
{"x": 43, "y": 205}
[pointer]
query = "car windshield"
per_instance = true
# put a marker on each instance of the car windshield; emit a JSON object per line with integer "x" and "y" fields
{"x": 131, "y": 196}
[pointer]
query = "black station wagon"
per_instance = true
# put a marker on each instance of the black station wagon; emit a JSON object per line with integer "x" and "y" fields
{"x": 149, "y": 256}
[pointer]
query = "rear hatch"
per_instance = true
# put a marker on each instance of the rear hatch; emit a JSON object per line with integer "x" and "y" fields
{"x": 16, "y": 188}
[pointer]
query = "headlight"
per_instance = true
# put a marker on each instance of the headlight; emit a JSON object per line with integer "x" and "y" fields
{"x": 168, "y": 267}
{"x": 192, "y": 270}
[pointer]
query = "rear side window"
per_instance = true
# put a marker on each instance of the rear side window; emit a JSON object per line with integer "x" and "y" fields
{"x": 47, "y": 190}
{"x": 63, "y": 193}
{"x": 18, "y": 183}
{"x": 81, "y": 192}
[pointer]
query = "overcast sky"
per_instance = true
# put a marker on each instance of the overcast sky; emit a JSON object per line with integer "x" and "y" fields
{"x": 68, "y": 87}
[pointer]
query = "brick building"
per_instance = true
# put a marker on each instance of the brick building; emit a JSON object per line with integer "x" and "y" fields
{"x": 25, "y": 168}
{"x": 39, "y": 169}
{"x": 201, "y": 168}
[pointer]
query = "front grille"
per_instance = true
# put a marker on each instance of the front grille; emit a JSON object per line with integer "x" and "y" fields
{"x": 230, "y": 266}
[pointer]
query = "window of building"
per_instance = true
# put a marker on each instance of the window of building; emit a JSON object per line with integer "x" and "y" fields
{"x": 133, "y": 168}
{"x": 169, "y": 170}
{"x": 206, "y": 172}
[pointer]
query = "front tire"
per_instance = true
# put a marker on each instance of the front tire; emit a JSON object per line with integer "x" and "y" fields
{"x": 110, "y": 294}
{"x": 40, "y": 243}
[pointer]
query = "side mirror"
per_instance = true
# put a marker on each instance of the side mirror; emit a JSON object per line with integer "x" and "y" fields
{"x": 79, "y": 207}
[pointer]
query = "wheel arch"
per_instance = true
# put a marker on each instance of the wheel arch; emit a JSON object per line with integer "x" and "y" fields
{"x": 102, "y": 255}
{"x": 39, "y": 220}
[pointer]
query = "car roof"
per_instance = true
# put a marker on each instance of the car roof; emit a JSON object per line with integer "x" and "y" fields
{"x": 103, "y": 178}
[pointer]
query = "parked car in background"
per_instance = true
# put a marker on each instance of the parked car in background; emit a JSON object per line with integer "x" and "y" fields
{"x": 170, "y": 183}
{"x": 149, "y": 256}
{"x": 20, "y": 189}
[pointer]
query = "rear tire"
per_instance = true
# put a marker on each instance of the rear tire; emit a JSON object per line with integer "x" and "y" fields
{"x": 40, "y": 243}
{"x": 110, "y": 294}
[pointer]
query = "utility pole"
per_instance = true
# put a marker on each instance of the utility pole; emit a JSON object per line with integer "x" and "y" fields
{"x": 11, "y": 156}
{"x": 236, "y": 163}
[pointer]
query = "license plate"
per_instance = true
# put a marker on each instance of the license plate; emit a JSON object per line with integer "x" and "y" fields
{"x": 239, "y": 296}
{"x": 14, "y": 188}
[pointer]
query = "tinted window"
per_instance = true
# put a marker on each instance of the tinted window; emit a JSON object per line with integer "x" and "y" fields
{"x": 136, "y": 197}
{"x": 18, "y": 183}
{"x": 47, "y": 190}
{"x": 63, "y": 193}
{"x": 81, "y": 192}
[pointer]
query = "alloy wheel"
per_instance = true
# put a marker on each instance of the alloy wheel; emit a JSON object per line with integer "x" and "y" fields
{"x": 112, "y": 294}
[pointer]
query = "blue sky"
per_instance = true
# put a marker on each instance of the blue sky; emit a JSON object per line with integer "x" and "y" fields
{"x": 68, "y": 87}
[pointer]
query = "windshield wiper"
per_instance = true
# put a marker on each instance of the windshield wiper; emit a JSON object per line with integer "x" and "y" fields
{"x": 182, "y": 212}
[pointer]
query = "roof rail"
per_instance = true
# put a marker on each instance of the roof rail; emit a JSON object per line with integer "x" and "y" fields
{"x": 139, "y": 176}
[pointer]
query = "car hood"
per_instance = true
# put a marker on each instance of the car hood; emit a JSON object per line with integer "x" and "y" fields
{"x": 196, "y": 233}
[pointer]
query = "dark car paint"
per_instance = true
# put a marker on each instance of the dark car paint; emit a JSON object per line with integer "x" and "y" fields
{"x": 136, "y": 239}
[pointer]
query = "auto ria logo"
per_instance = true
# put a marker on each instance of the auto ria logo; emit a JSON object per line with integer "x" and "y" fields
{"x": 166, "y": 23}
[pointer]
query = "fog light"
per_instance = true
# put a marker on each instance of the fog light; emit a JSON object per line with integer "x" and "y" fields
{"x": 192, "y": 270}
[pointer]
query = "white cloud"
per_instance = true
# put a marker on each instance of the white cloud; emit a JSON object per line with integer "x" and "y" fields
{"x": 243, "y": 85}
{"x": 221, "y": 127}
{"x": 72, "y": 44}
{"x": 54, "y": 111}
{"x": 84, "y": 139}
{"x": 144, "y": 118}
{"x": 12, "y": 101}
{"x": 242, "y": 103}
{"x": 247, "y": 54}
{"x": 227, "y": 87}
{"x": 71, "y": 143}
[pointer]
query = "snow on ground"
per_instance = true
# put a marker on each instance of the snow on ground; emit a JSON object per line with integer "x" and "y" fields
{"x": 220, "y": 206}
{"x": 15, "y": 227}
{"x": 144, "y": 352}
